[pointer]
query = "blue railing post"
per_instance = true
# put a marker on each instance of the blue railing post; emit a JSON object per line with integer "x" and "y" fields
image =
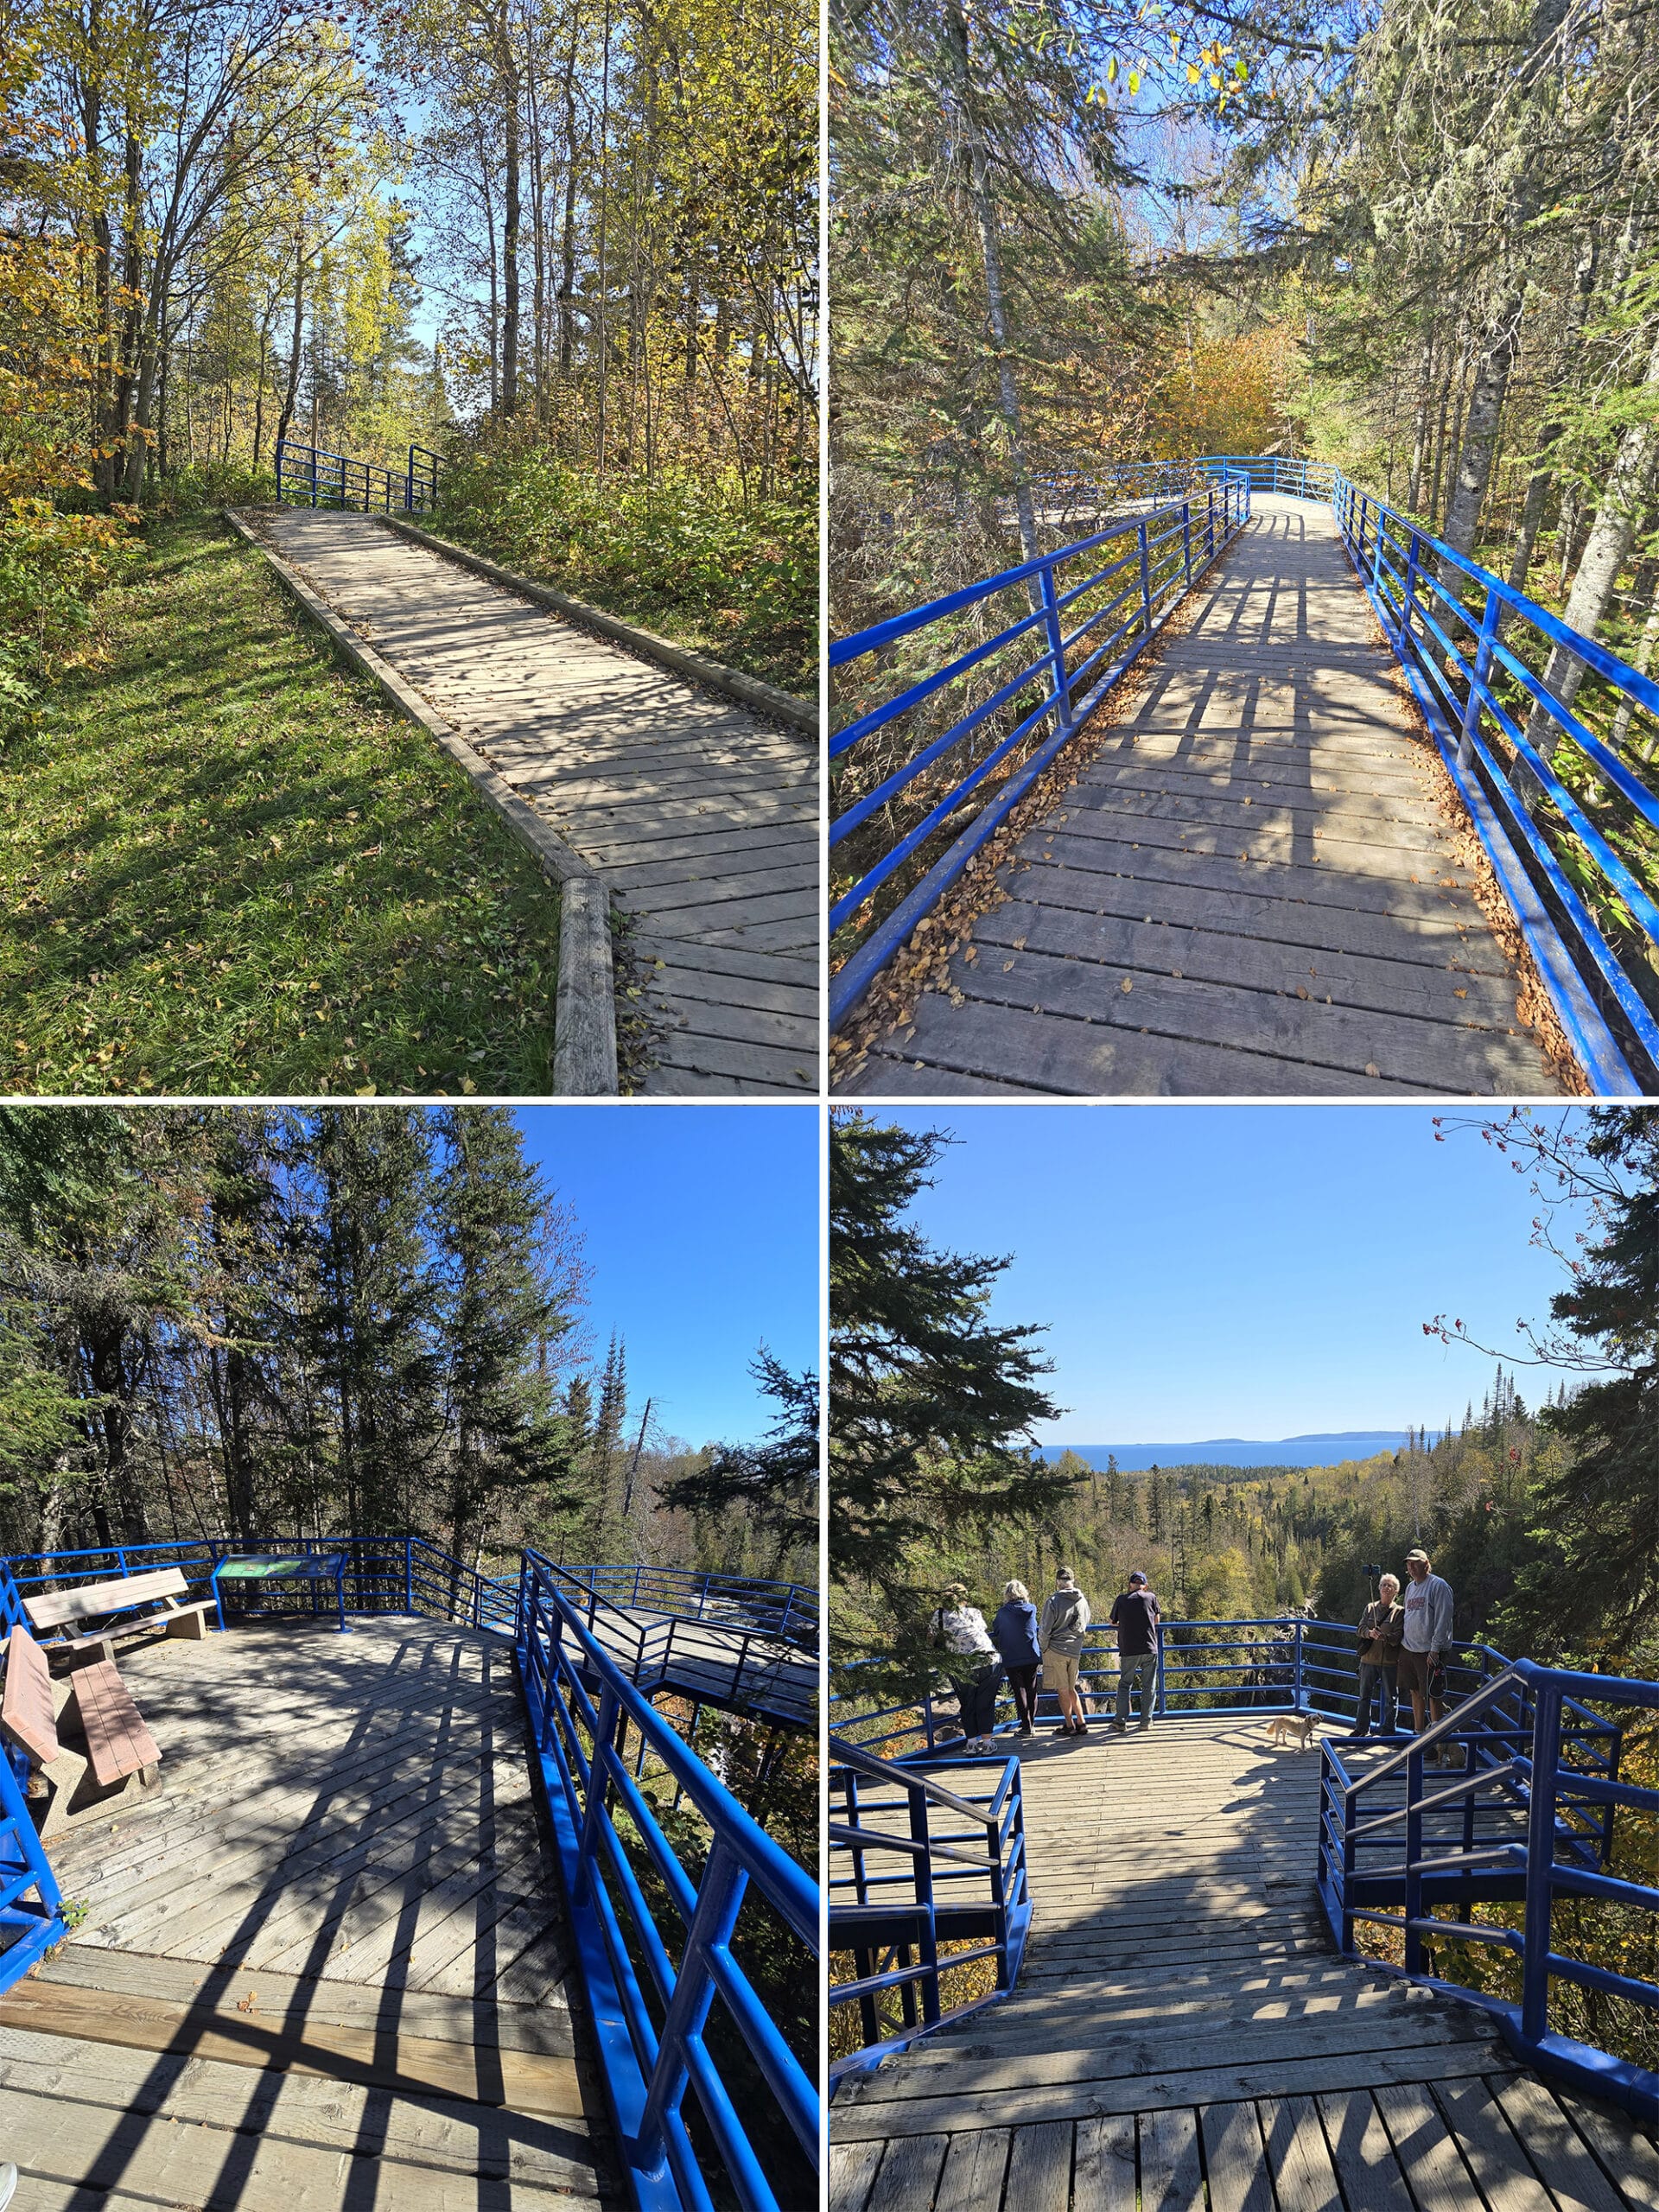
{"x": 313, "y": 452}
{"x": 408, "y": 1574}
{"x": 719, "y": 1899}
{"x": 1056, "y": 647}
{"x": 598, "y": 1784}
{"x": 1482, "y": 672}
{"x": 1146, "y": 581}
{"x": 1186, "y": 537}
{"x": 1298, "y": 1676}
{"x": 919, "y": 1834}
{"x": 1414, "y": 1881}
{"x": 1408, "y": 606}
{"x": 1158, "y": 1703}
{"x": 408, "y": 484}
{"x": 1541, "y": 1862}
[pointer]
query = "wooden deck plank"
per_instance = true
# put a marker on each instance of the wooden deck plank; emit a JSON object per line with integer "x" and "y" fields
{"x": 1340, "y": 812}
{"x": 1304, "y": 2178}
{"x": 615, "y": 752}
{"x": 1506, "y": 2182}
{"x": 974, "y": 2167}
{"x": 1105, "y": 2156}
{"x": 1364, "y": 2156}
{"x": 1233, "y": 2159}
{"x": 1569, "y": 2170}
{"x": 1039, "y": 2167}
{"x": 1172, "y": 2177}
{"x": 908, "y": 2175}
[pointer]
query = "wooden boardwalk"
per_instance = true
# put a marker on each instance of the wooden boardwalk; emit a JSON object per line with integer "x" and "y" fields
{"x": 1184, "y": 2038}
{"x": 702, "y": 819}
{"x": 326, "y": 1966}
{"x": 1251, "y": 890}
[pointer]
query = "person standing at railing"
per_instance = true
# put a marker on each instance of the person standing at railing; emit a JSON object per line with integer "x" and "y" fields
{"x": 1016, "y": 1636}
{"x": 1064, "y": 1628}
{"x": 1136, "y": 1618}
{"x": 961, "y": 1629}
{"x": 1426, "y": 1641}
{"x": 1381, "y": 1627}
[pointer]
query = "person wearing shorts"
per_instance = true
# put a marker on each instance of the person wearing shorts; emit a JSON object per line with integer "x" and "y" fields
{"x": 1425, "y": 1642}
{"x": 1064, "y": 1632}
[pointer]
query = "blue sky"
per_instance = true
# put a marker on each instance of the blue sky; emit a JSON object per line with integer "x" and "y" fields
{"x": 700, "y": 1230}
{"x": 1243, "y": 1271}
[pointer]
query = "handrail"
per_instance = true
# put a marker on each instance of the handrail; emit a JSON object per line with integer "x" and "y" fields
{"x": 1499, "y": 726}
{"x": 1560, "y": 808}
{"x": 1166, "y": 557}
{"x": 650, "y": 2063}
{"x": 903, "y": 1916}
{"x": 313, "y": 476}
{"x": 1538, "y": 1784}
{"x": 34, "y": 1924}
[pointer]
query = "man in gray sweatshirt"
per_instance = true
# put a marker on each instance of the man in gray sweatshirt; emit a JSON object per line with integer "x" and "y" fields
{"x": 1427, "y": 1638}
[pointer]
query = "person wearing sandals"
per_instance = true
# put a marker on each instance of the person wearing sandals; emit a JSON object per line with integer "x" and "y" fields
{"x": 972, "y": 1664}
{"x": 1064, "y": 1629}
{"x": 1015, "y": 1634}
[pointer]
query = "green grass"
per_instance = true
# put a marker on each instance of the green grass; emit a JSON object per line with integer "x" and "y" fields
{"x": 227, "y": 866}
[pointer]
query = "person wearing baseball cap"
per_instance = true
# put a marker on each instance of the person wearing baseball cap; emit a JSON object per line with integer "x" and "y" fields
{"x": 1427, "y": 1641}
{"x": 1135, "y": 1617}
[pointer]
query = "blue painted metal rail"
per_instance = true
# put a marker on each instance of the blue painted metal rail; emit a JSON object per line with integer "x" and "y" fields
{"x": 1558, "y": 789}
{"x": 1157, "y": 558}
{"x": 309, "y": 476}
{"x": 787, "y": 1610}
{"x": 1393, "y": 1844}
{"x": 1570, "y": 828}
{"x": 650, "y": 2006}
{"x": 654, "y": 1930}
{"x": 933, "y": 1851}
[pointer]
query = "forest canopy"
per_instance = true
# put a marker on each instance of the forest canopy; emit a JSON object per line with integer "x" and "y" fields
{"x": 362, "y": 1321}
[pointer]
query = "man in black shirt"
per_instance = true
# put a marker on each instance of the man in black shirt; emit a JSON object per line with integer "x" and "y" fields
{"x": 1135, "y": 1617}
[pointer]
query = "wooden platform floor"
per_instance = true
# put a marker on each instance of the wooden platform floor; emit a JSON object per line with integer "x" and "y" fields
{"x": 325, "y": 1965}
{"x": 1249, "y": 891}
{"x": 1184, "y": 2038}
{"x": 702, "y": 817}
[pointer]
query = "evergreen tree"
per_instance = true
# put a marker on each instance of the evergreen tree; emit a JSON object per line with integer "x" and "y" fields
{"x": 931, "y": 1402}
{"x": 770, "y": 1487}
{"x": 374, "y": 1323}
{"x": 497, "y": 1314}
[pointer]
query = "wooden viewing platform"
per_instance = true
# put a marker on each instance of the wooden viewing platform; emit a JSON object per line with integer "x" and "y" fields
{"x": 702, "y": 817}
{"x": 1184, "y": 2038}
{"x": 1253, "y": 888}
{"x": 325, "y": 1966}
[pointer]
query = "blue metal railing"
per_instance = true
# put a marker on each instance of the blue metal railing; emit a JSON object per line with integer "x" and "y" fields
{"x": 1160, "y": 555}
{"x": 31, "y": 1904}
{"x": 309, "y": 476}
{"x": 715, "y": 1655}
{"x": 1564, "y": 819}
{"x": 1527, "y": 1820}
{"x": 786, "y": 1610}
{"x": 949, "y": 1867}
{"x": 649, "y": 2007}
{"x": 1277, "y": 1663}
{"x": 650, "y": 1994}
{"x": 1570, "y": 827}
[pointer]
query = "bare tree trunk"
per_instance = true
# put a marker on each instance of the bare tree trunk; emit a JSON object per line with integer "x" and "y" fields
{"x": 291, "y": 391}
{"x": 1607, "y": 548}
{"x": 512, "y": 213}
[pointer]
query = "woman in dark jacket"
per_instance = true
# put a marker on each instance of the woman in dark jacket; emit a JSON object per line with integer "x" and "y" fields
{"x": 1014, "y": 1634}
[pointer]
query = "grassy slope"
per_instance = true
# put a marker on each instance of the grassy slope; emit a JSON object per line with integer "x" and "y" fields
{"x": 228, "y": 867}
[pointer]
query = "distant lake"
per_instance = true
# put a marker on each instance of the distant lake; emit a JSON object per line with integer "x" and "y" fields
{"x": 1326, "y": 1450}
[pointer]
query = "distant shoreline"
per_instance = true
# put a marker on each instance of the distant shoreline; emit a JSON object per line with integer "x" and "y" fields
{"x": 1329, "y": 1449}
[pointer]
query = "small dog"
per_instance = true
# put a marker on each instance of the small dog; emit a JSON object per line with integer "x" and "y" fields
{"x": 1293, "y": 1724}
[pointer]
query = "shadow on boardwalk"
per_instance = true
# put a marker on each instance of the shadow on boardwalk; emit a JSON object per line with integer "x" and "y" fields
{"x": 1184, "y": 2038}
{"x": 327, "y": 1964}
{"x": 1251, "y": 889}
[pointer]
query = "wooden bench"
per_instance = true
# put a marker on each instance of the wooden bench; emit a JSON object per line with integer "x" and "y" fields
{"x": 159, "y": 1590}
{"x": 117, "y": 1741}
{"x": 28, "y": 1717}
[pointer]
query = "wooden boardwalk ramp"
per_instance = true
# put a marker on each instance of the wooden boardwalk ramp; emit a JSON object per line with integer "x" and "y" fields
{"x": 1184, "y": 2038}
{"x": 326, "y": 1966}
{"x": 1253, "y": 888}
{"x": 710, "y": 1660}
{"x": 702, "y": 817}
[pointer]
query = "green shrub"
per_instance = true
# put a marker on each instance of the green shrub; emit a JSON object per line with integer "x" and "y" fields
{"x": 737, "y": 578}
{"x": 52, "y": 566}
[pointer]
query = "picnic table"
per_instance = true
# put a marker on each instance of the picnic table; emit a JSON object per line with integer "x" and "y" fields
{"x": 314, "y": 1567}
